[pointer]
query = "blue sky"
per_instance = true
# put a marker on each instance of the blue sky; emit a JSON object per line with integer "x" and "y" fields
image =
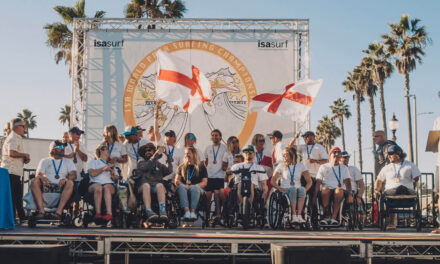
{"x": 339, "y": 31}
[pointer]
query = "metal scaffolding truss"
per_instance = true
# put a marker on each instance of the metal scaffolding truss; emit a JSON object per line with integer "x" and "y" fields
{"x": 300, "y": 28}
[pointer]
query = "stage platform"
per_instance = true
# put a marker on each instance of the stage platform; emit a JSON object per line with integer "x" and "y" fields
{"x": 367, "y": 244}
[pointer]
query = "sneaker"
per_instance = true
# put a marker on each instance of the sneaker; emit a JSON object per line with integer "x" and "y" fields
{"x": 163, "y": 215}
{"x": 300, "y": 219}
{"x": 324, "y": 222}
{"x": 107, "y": 217}
{"x": 294, "y": 220}
{"x": 193, "y": 216}
{"x": 187, "y": 215}
{"x": 151, "y": 216}
{"x": 333, "y": 222}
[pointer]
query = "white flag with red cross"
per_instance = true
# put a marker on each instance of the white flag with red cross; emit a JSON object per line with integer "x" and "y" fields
{"x": 180, "y": 83}
{"x": 293, "y": 102}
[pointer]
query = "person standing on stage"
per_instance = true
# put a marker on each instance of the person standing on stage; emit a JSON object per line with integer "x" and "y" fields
{"x": 334, "y": 177}
{"x": 13, "y": 159}
{"x": 263, "y": 156}
{"x": 357, "y": 182}
{"x": 65, "y": 139}
{"x": 381, "y": 157}
{"x": 117, "y": 151}
{"x": 190, "y": 140}
{"x": 216, "y": 174}
{"x": 140, "y": 131}
{"x": 132, "y": 145}
{"x": 232, "y": 150}
{"x": 75, "y": 151}
{"x": 313, "y": 154}
{"x": 277, "y": 154}
{"x": 176, "y": 154}
{"x": 399, "y": 177}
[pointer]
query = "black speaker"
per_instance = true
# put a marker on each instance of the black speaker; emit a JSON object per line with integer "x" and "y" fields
{"x": 292, "y": 254}
{"x": 34, "y": 254}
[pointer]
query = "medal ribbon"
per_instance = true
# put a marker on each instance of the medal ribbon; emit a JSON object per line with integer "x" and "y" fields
{"x": 309, "y": 152}
{"x": 59, "y": 167}
{"x": 292, "y": 172}
{"x": 397, "y": 175}
{"x": 215, "y": 153}
{"x": 106, "y": 163}
{"x": 171, "y": 152}
{"x": 189, "y": 175}
{"x": 334, "y": 172}
{"x": 110, "y": 148}
{"x": 135, "y": 152}
{"x": 260, "y": 157}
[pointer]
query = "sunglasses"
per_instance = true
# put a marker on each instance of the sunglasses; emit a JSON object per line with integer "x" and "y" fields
{"x": 337, "y": 152}
{"x": 234, "y": 141}
{"x": 191, "y": 137}
{"x": 392, "y": 153}
{"x": 149, "y": 149}
{"x": 261, "y": 141}
{"x": 248, "y": 151}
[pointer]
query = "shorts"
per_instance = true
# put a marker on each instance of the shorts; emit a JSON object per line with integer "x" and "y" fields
{"x": 215, "y": 184}
{"x": 51, "y": 188}
{"x": 152, "y": 187}
{"x": 401, "y": 190}
{"x": 103, "y": 185}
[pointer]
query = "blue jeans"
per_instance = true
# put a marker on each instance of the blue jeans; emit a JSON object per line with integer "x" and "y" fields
{"x": 295, "y": 192}
{"x": 195, "y": 193}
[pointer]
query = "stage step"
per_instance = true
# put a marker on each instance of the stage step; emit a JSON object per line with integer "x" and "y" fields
{"x": 290, "y": 253}
{"x": 34, "y": 254}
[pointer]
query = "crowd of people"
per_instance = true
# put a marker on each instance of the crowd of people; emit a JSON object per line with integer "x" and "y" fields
{"x": 294, "y": 169}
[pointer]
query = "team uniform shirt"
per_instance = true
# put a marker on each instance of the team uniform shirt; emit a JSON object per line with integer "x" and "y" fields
{"x": 332, "y": 176}
{"x": 116, "y": 150}
{"x": 215, "y": 154}
{"x": 79, "y": 163}
{"x": 289, "y": 174}
{"x": 176, "y": 154}
{"x": 14, "y": 165}
{"x": 277, "y": 154}
{"x": 405, "y": 171}
{"x": 62, "y": 166}
{"x": 229, "y": 158}
{"x": 132, "y": 153}
{"x": 256, "y": 178}
{"x": 105, "y": 177}
{"x": 355, "y": 175}
{"x": 315, "y": 151}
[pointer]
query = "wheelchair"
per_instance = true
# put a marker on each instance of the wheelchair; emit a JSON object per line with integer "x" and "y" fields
{"x": 360, "y": 213}
{"x": 203, "y": 211}
{"x": 345, "y": 214}
{"x": 399, "y": 204}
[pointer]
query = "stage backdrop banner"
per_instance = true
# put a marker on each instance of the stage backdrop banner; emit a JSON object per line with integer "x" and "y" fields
{"x": 121, "y": 75}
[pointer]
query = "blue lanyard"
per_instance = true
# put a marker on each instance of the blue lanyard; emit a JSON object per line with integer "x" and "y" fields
{"x": 334, "y": 172}
{"x": 292, "y": 172}
{"x": 309, "y": 152}
{"x": 398, "y": 172}
{"x": 70, "y": 144}
{"x": 59, "y": 167}
{"x": 153, "y": 169}
{"x": 189, "y": 175}
{"x": 260, "y": 157}
{"x": 135, "y": 152}
{"x": 106, "y": 163}
{"x": 215, "y": 153}
{"x": 170, "y": 152}
{"x": 110, "y": 149}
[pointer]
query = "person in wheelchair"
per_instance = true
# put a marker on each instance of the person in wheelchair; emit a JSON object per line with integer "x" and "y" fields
{"x": 54, "y": 174}
{"x": 103, "y": 175}
{"x": 259, "y": 179}
{"x": 289, "y": 173}
{"x": 229, "y": 177}
{"x": 150, "y": 173}
{"x": 357, "y": 182}
{"x": 399, "y": 177}
{"x": 335, "y": 180}
{"x": 191, "y": 178}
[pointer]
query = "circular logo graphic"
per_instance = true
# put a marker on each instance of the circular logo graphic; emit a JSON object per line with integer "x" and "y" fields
{"x": 231, "y": 85}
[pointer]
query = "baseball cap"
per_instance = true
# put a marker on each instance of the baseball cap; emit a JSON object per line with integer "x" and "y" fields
{"x": 333, "y": 150}
{"x": 345, "y": 154}
{"x": 76, "y": 130}
{"x": 170, "y": 133}
{"x": 130, "y": 130}
{"x": 140, "y": 128}
{"x": 248, "y": 148}
{"x": 394, "y": 149}
{"x": 276, "y": 133}
{"x": 56, "y": 144}
{"x": 308, "y": 133}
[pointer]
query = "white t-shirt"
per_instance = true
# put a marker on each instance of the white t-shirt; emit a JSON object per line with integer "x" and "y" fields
{"x": 229, "y": 158}
{"x": 79, "y": 163}
{"x": 405, "y": 171}
{"x": 215, "y": 169}
{"x": 46, "y": 167}
{"x": 315, "y": 151}
{"x": 116, "y": 150}
{"x": 103, "y": 178}
{"x": 201, "y": 155}
{"x": 14, "y": 165}
{"x": 177, "y": 154}
{"x": 355, "y": 175}
{"x": 328, "y": 174}
{"x": 277, "y": 153}
{"x": 256, "y": 178}
{"x": 285, "y": 174}
{"x": 133, "y": 156}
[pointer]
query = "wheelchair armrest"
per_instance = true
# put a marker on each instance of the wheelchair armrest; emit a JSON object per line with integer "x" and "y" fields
{"x": 398, "y": 197}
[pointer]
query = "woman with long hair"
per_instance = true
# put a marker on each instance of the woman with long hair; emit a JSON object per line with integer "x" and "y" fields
{"x": 191, "y": 178}
{"x": 233, "y": 149}
{"x": 117, "y": 151}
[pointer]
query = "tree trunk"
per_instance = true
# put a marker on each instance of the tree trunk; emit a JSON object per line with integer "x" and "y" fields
{"x": 372, "y": 126}
{"x": 408, "y": 115}
{"x": 342, "y": 133}
{"x": 382, "y": 108}
{"x": 358, "y": 124}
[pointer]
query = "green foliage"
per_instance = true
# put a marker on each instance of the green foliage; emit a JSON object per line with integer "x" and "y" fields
{"x": 29, "y": 120}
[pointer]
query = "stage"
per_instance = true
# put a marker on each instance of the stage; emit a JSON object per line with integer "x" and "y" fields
{"x": 367, "y": 244}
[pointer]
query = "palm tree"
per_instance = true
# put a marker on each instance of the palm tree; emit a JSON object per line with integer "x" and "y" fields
{"x": 65, "y": 115}
{"x": 60, "y": 37}
{"x": 155, "y": 9}
{"x": 327, "y": 132}
{"x": 339, "y": 111}
{"x": 351, "y": 85}
{"x": 381, "y": 69}
{"x": 406, "y": 43}
{"x": 29, "y": 120}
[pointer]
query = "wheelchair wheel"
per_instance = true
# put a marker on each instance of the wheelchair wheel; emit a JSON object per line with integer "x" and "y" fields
{"x": 230, "y": 210}
{"x": 418, "y": 217}
{"x": 246, "y": 213}
{"x": 78, "y": 221}
{"x": 360, "y": 215}
{"x": 274, "y": 210}
{"x": 383, "y": 216}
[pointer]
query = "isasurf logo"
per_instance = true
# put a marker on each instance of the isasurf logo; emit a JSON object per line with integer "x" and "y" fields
{"x": 108, "y": 43}
{"x": 272, "y": 44}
